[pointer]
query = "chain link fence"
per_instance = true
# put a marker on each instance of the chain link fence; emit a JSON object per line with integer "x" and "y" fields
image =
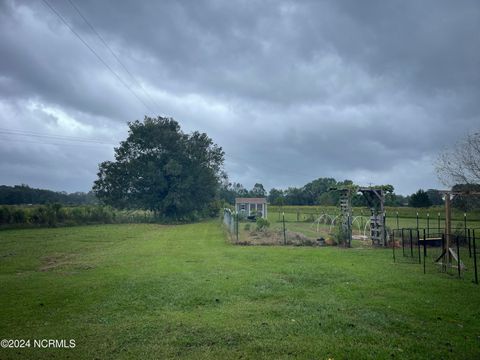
{"x": 230, "y": 221}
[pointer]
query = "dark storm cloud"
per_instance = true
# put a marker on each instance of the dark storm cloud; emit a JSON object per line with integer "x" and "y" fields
{"x": 292, "y": 90}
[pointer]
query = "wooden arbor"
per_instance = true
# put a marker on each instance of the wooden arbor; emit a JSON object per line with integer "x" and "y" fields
{"x": 375, "y": 197}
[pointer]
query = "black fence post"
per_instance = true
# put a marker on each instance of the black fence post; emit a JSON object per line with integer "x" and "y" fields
{"x": 411, "y": 243}
{"x": 458, "y": 256}
{"x": 284, "y": 232}
{"x": 424, "y": 250}
{"x": 417, "y": 219}
{"x": 403, "y": 243}
{"x": 428, "y": 225}
{"x": 418, "y": 247}
{"x": 398, "y": 223}
{"x": 393, "y": 244}
{"x": 475, "y": 257}
{"x": 469, "y": 244}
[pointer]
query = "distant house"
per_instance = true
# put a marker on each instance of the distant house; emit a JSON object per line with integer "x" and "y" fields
{"x": 251, "y": 206}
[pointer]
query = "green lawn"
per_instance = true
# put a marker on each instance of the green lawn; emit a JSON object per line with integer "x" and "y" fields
{"x": 153, "y": 292}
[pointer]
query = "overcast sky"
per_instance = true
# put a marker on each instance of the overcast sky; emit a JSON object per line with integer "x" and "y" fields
{"x": 292, "y": 90}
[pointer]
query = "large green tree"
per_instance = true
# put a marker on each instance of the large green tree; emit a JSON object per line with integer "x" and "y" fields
{"x": 160, "y": 168}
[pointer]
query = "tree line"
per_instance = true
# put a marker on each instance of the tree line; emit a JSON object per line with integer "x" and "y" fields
{"x": 25, "y": 195}
{"x": 320, "y": 192}
{"x": 316, "y": 192}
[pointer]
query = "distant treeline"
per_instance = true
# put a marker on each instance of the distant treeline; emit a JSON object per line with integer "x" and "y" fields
{"x": 318, "y": 192}
{"x": 24, "y": 195}
{"x": 52, "y": 215}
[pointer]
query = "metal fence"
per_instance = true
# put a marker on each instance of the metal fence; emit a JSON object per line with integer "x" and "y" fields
{"x": 260, "y": 231}
{"x": 455, "y": 254}
{"x": 230, "y": 220}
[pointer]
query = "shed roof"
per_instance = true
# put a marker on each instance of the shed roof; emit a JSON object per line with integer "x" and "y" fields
{"x": 250, "y": 200}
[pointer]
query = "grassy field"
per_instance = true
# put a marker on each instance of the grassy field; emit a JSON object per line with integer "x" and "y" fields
{"x": 153, "y": 292}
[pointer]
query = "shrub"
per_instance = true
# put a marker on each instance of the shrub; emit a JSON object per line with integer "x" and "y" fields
{"x": 213, "y": 208}
{"x": 4, "y": 215}
{"x": 247, "y": 227}
{"x": 19, "y": 216}
{"x": 339, "y": 235}
{"x": 262, "y": 224}
{"x": 39, "y": 215}
{"x": 242, "y": 215}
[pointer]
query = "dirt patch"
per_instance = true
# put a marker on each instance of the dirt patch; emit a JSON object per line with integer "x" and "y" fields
{"x": 59, "y": 261}
{"x": 55, "y": 261}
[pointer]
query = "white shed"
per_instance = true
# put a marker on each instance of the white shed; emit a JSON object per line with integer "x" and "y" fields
{"x": 251, "y": 206}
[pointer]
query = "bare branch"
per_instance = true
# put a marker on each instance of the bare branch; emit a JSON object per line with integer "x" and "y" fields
{"x": 461, "y": 164}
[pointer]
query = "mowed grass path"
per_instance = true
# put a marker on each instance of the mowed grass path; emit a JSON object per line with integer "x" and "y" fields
{"x": 153, "y": 292}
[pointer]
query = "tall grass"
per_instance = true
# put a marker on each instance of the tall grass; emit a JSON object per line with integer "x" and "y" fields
{"x": 52, "y": 215}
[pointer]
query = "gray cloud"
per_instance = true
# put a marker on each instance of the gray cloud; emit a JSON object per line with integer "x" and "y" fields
{"x": 368, "y": 90}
